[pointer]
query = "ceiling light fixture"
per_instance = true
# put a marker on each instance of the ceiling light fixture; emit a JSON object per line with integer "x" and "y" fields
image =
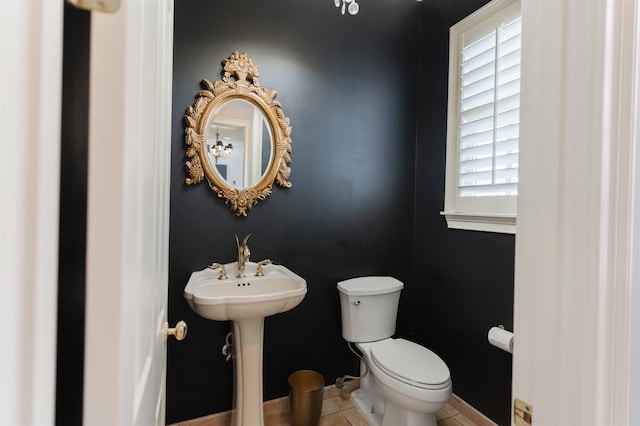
{"x": 351, "y": 5}
{"x": 219, "y": 150}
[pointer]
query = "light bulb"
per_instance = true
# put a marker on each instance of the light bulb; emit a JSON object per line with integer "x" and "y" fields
{"x": 354, "y": 8}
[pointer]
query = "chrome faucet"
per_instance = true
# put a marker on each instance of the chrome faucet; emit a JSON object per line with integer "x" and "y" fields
{"x": 243, "y": 255}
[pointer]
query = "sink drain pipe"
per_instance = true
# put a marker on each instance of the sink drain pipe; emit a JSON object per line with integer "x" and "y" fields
{"x": 227, "y": 348}
{"x": 341, "y": 382}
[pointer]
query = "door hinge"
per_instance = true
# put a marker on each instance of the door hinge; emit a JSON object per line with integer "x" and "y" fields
{"x": 522, "y": 413}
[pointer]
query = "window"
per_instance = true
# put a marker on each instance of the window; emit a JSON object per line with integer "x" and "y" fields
{"x": 483, "y": 123}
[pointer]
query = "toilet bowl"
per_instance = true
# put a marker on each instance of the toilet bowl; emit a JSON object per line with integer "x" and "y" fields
{"x": 403, "y": 383}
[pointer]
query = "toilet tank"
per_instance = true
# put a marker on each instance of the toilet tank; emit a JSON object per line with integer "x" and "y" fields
{"x": 369, "y": 307}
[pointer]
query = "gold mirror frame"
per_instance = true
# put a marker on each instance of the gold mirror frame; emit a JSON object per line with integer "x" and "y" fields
{"x": 239, "y": 81}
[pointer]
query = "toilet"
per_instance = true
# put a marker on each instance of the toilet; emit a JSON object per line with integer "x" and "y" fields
{"x": 402, "y": 383}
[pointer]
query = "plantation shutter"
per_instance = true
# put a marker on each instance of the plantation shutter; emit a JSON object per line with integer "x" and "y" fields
{"x": 490, "y": 113}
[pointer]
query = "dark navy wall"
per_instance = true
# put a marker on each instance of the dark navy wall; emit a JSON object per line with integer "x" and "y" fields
{"x": 73, "y": 216}
{"x": 348, "y": 86}
{"x": 463, "y": 282}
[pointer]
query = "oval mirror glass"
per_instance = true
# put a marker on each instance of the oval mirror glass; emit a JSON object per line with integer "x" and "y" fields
{"x": 239, "y": 143}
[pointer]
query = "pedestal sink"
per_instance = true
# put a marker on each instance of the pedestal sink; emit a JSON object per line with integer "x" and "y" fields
{"x": 245, "y": 302}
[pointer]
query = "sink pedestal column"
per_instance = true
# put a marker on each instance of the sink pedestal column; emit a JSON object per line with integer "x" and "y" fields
{"x": 247, "y": 374}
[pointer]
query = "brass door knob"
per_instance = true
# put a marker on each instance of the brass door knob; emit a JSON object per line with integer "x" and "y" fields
{"x": 179, "y": 331}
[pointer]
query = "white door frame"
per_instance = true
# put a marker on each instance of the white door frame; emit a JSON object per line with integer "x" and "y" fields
{"x": 577, "y": 236}
{"x": 30, "y": 112}
{"x": 577, "y": 257}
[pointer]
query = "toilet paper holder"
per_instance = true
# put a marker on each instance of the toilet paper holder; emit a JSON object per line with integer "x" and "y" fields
{"x": 501, "y": 338}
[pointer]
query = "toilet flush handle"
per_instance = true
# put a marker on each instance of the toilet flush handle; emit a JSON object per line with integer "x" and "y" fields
{"x": 356, "y": 302}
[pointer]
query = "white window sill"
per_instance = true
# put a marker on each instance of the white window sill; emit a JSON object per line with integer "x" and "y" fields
{"x": 505, "y": 224}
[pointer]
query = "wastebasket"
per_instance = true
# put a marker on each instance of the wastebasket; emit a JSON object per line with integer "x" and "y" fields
{"x": 306, "y": 389}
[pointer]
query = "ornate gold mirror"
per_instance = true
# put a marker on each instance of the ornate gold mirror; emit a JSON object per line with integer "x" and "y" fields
{"x": 238, "y": 137}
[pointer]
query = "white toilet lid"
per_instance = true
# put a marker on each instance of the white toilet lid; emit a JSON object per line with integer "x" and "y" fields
{"x": 410, "y": 363}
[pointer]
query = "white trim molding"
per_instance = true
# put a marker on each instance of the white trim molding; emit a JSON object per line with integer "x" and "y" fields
{"x": 504, "y": 224}
{"x": 478, "y": 125}
{"x": 30, "y": 122}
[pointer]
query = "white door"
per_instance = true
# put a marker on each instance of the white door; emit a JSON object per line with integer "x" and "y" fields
{"x": 128, "y": 214}
{"x": 577, "y": 214}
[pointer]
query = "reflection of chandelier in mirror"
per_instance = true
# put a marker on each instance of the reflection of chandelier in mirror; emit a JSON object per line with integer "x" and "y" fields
{"x": 219, "y": 150}
{"x": 349, "y": 5}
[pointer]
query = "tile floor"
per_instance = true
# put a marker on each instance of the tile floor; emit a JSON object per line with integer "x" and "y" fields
{"x": 337, "y": 410}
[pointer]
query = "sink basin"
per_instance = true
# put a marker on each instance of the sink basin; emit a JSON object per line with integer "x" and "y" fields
{"x": 236, "y": 299}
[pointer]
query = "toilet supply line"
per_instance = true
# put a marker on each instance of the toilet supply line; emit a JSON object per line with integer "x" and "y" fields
{"x": 341, "y": 381}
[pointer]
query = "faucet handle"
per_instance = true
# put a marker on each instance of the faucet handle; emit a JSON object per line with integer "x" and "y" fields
{"x": 223, "y": 271}
{"x": 259, "y": 272}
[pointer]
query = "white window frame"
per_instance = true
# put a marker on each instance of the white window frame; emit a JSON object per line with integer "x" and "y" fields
{"x": 485, "y": 213}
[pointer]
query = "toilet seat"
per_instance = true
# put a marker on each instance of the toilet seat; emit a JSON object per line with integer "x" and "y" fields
{"x": 410, "y": 363}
